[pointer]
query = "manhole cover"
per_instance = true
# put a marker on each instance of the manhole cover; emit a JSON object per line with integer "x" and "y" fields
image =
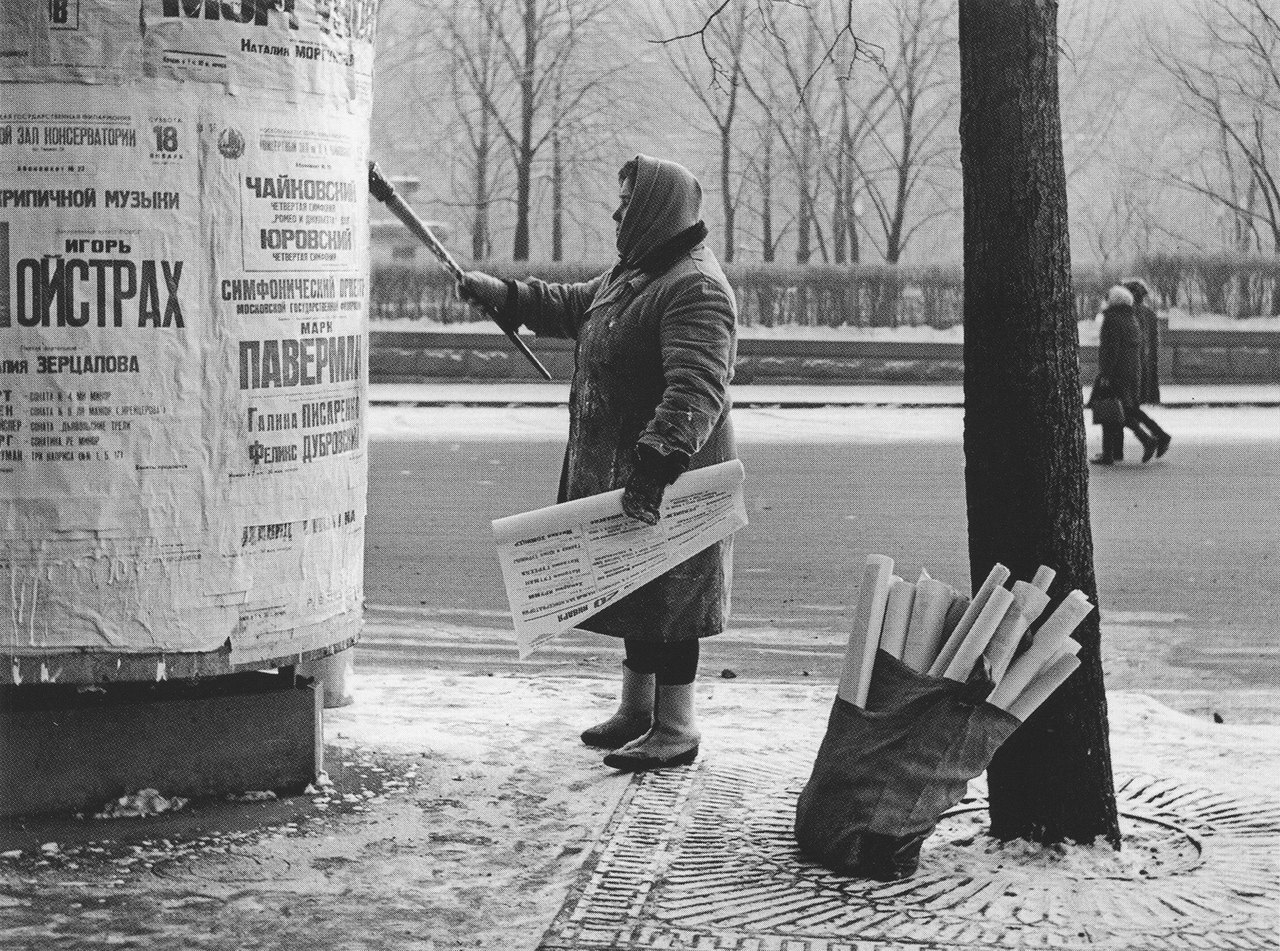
{"x": 705, "y": 857}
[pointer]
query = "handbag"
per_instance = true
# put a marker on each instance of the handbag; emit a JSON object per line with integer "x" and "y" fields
{"x": 1108, "y": 410}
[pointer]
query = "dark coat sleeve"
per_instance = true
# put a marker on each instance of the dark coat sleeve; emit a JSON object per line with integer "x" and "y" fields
{"x": 555, "y": 310}
{"x": 697, "y": 342}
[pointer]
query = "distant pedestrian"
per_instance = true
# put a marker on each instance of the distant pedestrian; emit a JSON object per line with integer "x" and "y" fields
{"x": 650, "y": 398}
{"x": 1120, "y": 376}
{"x": 1149, "y": 339}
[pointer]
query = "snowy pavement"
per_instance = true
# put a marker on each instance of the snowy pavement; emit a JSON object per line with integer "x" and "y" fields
{"x": 492, "y": 821}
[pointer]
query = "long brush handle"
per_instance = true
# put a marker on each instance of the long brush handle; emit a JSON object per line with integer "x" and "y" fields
{"x": 385, "y": 192}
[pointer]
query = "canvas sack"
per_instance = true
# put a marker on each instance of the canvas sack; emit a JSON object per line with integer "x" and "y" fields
{"x": 885, "y": 775}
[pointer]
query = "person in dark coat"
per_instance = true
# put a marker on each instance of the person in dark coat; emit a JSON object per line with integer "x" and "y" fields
{"x": 1149, "y": 339}
{"x": 1120, "y": 375}
{"x": 656, "y": 341}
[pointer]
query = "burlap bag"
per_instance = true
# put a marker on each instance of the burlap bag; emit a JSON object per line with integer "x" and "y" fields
{"x": 885, "y": 775}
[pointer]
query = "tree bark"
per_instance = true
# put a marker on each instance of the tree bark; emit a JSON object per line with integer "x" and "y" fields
{"x": 1026, "y": 477}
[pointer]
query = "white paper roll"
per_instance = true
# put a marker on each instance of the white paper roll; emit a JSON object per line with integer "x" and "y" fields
{"x": 1024, "y": 669}
{"x": 897, "y": 616}
{"x": 959, "y": 605}
{"x": 976, "y": 640}
{"x": 995, "y": 578}
{"x": 1043, "y": 684}
{"x": 864, "y": 639}
{"x": 1028, "y": 602}
{"x": 928, "y": 618}
{"x": 1044, "y": 577}
{"x": 1075, "y": 607}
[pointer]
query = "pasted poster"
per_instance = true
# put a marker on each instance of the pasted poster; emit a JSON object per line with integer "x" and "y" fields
{"x": 290, "y": 281}
{"x": 308, "y": 46}
{"x": 183, "y": 292}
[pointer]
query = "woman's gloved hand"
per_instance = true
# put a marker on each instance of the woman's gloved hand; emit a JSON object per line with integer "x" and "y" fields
{"x": 494, "y": 296}
{"x": 651, "y": 473}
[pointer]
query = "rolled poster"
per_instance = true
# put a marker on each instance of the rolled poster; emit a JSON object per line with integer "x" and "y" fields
{"x": 928, "y": 620}
{"x": 897, "y": 616}
{"x": 864, "y": 639}
{"x": 978, "y": 636}
{"x": 997, "y": 576}
{"x": 1044, "y": 577}
{"x": 1049, "y": 641}
{"x": 1043, "y": 684}
{"x": 1028, "y": 602}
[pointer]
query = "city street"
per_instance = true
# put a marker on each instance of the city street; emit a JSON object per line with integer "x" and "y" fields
{"x": 1185, "y": 546}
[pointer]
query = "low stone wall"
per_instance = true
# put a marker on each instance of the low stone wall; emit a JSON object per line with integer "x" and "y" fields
{"x": 1188, "y": 356}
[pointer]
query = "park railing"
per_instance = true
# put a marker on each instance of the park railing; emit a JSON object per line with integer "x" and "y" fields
{"x": 865, "y": 295}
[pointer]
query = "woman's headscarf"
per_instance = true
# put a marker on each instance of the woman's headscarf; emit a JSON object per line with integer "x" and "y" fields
{"x": 665, "y": 201}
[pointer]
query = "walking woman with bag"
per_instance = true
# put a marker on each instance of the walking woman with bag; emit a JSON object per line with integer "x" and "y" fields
{"x": 1118, "y": 387}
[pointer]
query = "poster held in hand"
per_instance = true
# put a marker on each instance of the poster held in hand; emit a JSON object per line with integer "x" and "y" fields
{"x": 563, "y": 563}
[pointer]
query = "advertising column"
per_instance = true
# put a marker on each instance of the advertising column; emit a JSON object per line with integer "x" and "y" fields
{"x": 183, "y": 309}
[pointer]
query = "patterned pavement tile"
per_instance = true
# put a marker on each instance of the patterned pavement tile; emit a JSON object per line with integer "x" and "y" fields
{"x": 703, "y": 858}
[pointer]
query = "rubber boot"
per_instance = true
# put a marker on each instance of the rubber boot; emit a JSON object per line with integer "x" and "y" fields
{"x": 633, "y": 717}
{"x": 674, "y": 739}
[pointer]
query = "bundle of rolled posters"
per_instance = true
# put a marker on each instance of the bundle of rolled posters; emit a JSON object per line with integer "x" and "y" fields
{"x": 938, "y": 632}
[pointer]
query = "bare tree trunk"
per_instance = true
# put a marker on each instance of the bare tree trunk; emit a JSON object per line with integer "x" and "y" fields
{"x": 557, "y": 187}
{"x": 524, "y": 160}
{"x": 480, "y": 221}
{"x": 726, "y": 194}
{"x": 849, "y": 201}
{"x": 1026, "y": 474}
{"x": 766, "y": 198}
{"x": 893, "y": 240}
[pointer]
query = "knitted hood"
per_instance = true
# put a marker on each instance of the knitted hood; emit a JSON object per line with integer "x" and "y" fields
{"x": 666, "y": 201}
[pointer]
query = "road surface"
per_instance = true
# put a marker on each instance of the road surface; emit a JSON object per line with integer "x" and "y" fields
{"x": 1185, "y": 548}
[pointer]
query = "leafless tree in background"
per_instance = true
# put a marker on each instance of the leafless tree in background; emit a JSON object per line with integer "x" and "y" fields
{"x": 1228, "y": 79}
{"x": 713, "y": 75}
{"x": 910, "y": 145}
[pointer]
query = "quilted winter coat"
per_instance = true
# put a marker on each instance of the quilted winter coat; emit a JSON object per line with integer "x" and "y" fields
{"x": 656, "y": 340}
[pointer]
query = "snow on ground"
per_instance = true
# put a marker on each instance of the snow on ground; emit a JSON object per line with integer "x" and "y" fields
{"x": 821, "y": 424}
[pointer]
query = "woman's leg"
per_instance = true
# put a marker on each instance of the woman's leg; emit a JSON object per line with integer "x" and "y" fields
{"x": 1133, "y": 421}
{"x": 1162, "y": 438}
{"x": 674, "y": 738}
{"x": 634, "y": 715}
{"x": 1112, "y": 445}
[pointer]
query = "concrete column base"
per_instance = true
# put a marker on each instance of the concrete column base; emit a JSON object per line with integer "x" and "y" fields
{"x": 67, "y": 748}
{"x": 334, "y": 674}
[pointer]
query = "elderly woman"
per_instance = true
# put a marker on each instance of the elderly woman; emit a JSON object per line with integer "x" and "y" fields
{"x": 1120, "y": 375}
{"x": 656, "y": 340}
